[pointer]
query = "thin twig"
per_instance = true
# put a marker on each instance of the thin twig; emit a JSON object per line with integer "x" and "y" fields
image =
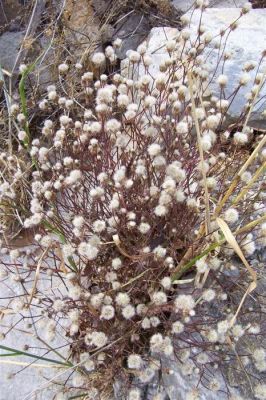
{"x": 207, "y": 205}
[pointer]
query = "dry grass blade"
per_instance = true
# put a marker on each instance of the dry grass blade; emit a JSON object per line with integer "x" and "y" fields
{"x": 8, "y": 103}
{"x": 31, "y": 365}
{"x": 251, "y": 225}
{"x": 62, "y": 261}
{"x": 200, "y": 280}
{"x": 206, "y": 193}
{"x": 37, "y": 273}
{"x": 183, "y": 281}
{"x": 244, "y": 191}
{"x": 232, "y": 241}
{"x": 230, "y": 238}
{"x": 238, "y": 176}
{"x": 252, "y": 156}
{"x": 134, "y": 279}
{"x": 5, "y": 312}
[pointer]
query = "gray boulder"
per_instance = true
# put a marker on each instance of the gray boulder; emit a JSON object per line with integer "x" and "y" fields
{"x": 10, "y": 43}
{"x": 246, "y": 43}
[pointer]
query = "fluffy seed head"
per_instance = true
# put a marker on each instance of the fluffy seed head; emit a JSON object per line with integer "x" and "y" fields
{"x": 128, "y": 311}
{"x": 231, "y": 215}
{"x": 134, "y": 361}
{"x": 184, "y": 303}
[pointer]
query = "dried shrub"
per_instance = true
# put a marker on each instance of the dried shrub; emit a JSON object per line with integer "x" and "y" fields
{"x": 131, "y": 172}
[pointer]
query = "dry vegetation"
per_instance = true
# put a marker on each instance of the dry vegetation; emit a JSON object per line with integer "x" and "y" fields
{"x": 142, "y": 208}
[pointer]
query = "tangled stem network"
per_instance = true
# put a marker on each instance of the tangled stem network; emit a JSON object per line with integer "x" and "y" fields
{"x": 138, "y": 195}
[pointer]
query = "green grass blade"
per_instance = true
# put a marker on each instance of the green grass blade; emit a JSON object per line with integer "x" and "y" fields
{"x": 54, "y": 351}
{"x": 10, "y": 354}
{"x": 54, "y": 230}
{"x": 192, "y": 262}
{"x": 25, "y": 353}
{"x": 62, "y": 238}
{"x": 23, "y": 97}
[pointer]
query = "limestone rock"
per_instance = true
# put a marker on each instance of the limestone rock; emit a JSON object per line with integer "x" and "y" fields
{"x": 81, "y": 28}
{"x": 245, "y": 43}
{"x": 10, "y": 43}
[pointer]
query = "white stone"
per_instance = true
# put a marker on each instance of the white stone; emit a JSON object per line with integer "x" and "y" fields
{"x": 245, "y": 43}
{"x": 178, "y": 385}
{"x": 31, "y": 378}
